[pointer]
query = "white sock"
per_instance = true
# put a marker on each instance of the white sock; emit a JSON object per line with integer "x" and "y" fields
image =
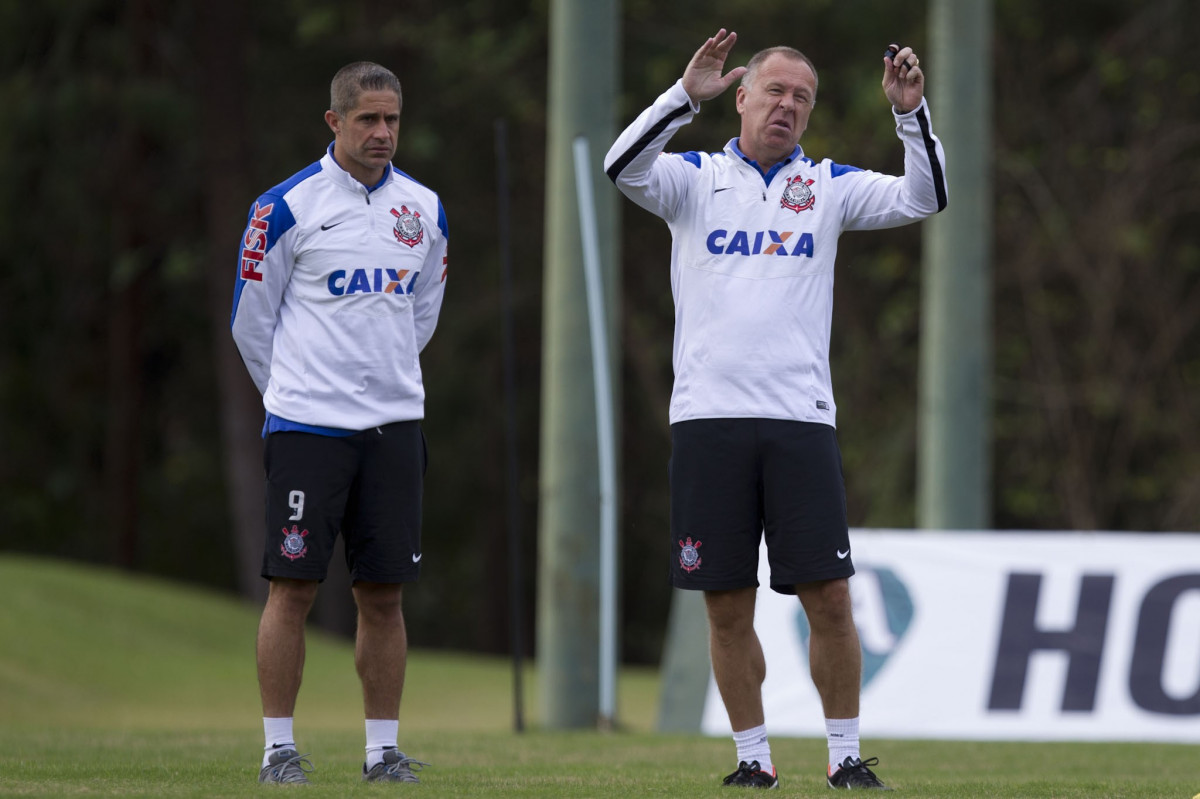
{"x": 752, "y": 745}
{"x": 381, "y": 734}
{"x": 842, "y": 735}
{"x": 278, "y": 735}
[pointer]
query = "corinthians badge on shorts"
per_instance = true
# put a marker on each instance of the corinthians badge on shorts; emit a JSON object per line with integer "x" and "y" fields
{"x": 408, "y": 228}
{"x": 293, "y": 546}
{"x": 689, "y": 558}
{"x": 798, "y": 196}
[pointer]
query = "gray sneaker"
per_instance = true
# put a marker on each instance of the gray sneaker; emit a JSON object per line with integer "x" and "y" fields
{"x": 396, "y": 767}
{"x": 285, "y": 767}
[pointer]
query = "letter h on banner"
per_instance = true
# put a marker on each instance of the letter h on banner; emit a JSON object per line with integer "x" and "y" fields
{"x": 1020, "y": 638}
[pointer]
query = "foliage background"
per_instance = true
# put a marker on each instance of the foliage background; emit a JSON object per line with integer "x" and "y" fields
{"x": 138, "y": 133}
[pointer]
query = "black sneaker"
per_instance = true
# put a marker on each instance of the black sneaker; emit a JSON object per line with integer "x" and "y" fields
{"x": 751, "y": 775}
{"x": 853, "y": 773}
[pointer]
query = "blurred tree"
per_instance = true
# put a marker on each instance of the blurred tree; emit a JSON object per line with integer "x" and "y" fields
{"x": 138, "y": 244}
{"x": 221, "y": 83}
{"x": 96, "y": 194}
{"x": 1098, "y": 269}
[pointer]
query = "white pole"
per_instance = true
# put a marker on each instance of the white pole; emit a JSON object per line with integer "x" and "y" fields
{"x": 604, "y": 434}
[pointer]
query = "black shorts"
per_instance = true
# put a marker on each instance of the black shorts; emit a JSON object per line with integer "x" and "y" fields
{"x": 367, "y": 486}
{"x": 732, "y": 480}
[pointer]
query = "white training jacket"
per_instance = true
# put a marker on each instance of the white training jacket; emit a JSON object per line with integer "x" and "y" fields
{"x": 338, "y": 290}
{"x": 752, "y": 256}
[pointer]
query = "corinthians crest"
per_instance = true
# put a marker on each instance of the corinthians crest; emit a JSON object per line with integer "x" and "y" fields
{"x": 293, "y": 545}
{"x": 689, "y": 558}
{"x": 408, "y": 228}
{"x": 798, "y": 196}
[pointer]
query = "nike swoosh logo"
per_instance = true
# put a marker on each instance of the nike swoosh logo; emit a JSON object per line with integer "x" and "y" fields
{"x": 417, "y": 557}
{"x": 842, "y": 555}
{"x": 726, "y": 188}
{"x": 335, "y": 224}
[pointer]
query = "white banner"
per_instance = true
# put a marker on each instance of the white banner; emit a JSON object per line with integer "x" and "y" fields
{"x": 994, "y": 636}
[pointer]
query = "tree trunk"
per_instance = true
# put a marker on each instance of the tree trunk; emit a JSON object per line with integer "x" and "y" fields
{"x": 122, "y": 450}
{"x": 134, "y": 255}
{"x": 222, "y": 83}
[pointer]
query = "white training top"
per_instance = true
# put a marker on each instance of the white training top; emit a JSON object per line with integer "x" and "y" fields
{"x": 338, "y": 290}
{"x": 752, "y": 256}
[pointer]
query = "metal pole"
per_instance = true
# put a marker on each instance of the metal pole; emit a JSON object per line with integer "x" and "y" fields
{"x": 582, "y": 91}
{"x": 954, "y": 451}
{"x": 604, "y": 435}
{"x": 512, "y": 466}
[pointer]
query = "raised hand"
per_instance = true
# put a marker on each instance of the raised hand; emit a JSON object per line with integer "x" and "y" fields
{"x": 702, "y": 80}
{"x": 903, "y": 80}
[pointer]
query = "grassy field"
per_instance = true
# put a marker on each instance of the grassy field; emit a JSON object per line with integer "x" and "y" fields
{"x": 112, "y": 685}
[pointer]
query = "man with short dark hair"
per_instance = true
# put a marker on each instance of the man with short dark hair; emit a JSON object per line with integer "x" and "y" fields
{"x": 340, "y": 282}
{"x": 754, "y": 238}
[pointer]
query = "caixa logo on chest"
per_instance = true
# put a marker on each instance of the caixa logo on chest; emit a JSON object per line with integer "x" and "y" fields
{"x": 760, "y": 242}
{"x": 372, "y": 281}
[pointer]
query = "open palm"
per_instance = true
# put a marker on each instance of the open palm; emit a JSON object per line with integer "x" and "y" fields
{"x": 702, "y": 80}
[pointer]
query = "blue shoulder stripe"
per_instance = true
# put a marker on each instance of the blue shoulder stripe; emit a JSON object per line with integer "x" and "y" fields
{"x": 407, "y": 176}
{"x": 837, "y": 170}
{"x": 279, "y": 221}
{"x": 442, "y": 224}
{"x": 294, "y": 180}
{"x": 693, "y": 157}
{"x": 269, "y": 218}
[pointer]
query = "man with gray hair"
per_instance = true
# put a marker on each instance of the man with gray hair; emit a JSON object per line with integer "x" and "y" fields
{"x": 753, "y": 450}
{"x": 340, "y": 279}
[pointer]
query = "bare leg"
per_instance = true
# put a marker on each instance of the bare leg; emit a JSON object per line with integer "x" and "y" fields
{"x": 737, "y": 656}
{"x": 834, "y": 654}
{"x": 280, "y": 645}
{"x": 381, "y": 650}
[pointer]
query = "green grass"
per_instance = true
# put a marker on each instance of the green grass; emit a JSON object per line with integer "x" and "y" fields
{"x": 113, "y": 685}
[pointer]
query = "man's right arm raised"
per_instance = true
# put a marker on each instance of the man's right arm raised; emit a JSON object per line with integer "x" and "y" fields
{"x": 657, "y": 181}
